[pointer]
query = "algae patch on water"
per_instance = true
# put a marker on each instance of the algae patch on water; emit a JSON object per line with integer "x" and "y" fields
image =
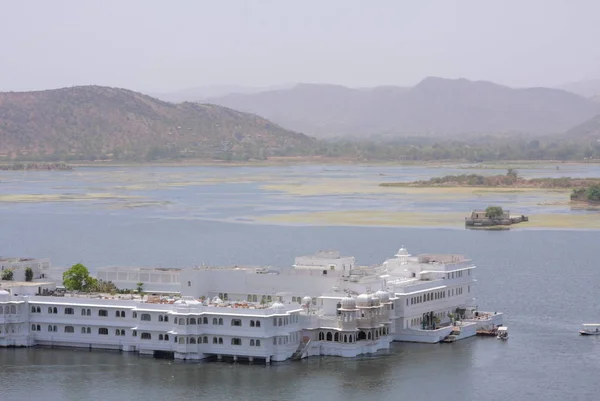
{"x": 39, "y": 198}
{"x": 425, "y": 219}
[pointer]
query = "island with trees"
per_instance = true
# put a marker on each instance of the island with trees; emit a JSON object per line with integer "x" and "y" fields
{"x": 586, "y": 196}
{"x": 493, "y": 217}
{"x": 509, "y": 180}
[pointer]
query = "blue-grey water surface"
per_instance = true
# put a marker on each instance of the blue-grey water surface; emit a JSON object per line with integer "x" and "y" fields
{"x": 546, "y": 281}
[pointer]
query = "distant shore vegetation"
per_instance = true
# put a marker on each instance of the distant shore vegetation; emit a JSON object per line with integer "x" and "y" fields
{"x": 510, "y": 180}
{"x": 401, "y": 149}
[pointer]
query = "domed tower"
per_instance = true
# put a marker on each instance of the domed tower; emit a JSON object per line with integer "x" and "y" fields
{"x": 403, "y": 256}
{"x": 306, "y": 302}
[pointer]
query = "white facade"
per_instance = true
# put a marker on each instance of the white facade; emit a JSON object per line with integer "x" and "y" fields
{"x": 269, "y": 314}
{"x": 152, "y": 279}
{"x": 20, "y": 265}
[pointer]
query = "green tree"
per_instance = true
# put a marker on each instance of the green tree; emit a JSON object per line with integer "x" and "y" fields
{"x": 140, "y": 287}
{"x": 28, "y": 274}
{"x": 494, "y": 212}
{"x": 593, "y": 193}
{"x": 78, "y": 278}
{"x": 511, "y": 172}
{"x": 7, "y": 275}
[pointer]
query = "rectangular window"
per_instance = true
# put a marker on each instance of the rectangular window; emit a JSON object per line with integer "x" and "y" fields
{"x": 103, "y": 331}
{"x": 236, "y": 341}
{"x": 103, "y": 313}
{"x": 236, "y": 322}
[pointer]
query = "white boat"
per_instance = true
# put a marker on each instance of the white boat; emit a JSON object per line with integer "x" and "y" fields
{"x": 590, "y": 329}
{"x": 502, "y": 333}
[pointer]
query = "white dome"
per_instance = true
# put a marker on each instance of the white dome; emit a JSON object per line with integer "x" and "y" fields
{"x": 348, "y": 303}
{"x": 383, "y": 296}
{"x": 306, "y": 300}
{"x": 180, "y": 302}
{"x": 363, "y": 300}
{"x": 374, "y": 301}
{"x": 278, "y": 305}
{"x": 217, "y": 300}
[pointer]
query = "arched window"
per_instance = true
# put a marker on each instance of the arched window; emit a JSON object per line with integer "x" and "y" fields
{"x": 220, "y": 340}
{"x": 103, "y": 331}
{"x": 251, "y": 342}
{"x": 117, "y": 313}
{"x": 258, "y": 343}
{"x": 362, "y": 335}
{"x": 369, "y": 335}
{"x": 33, "y": 327}
{"x": 83, "y": 312}
{"x": 321, "y": 336}
{"x": 33, "y": 309}
{"x": 54, "y": 310}
{"x": 160, "y": 319}
{"x": 88, "y": 330}
{"x": 166, "y": 318}
{"x": 49, "y": 328}
{"x": 192, "y": 340}
{"x": 166, "y": 337}
{"x": 258, "y": 323}
{"x": 204, "y": 320}
{"x": 280, "y": 322}
{"x": 345, "y": 338}
{"x": 192, "y": 320}
{"x": 69, "y": 329}
{"x": 49, "y": 309}
{"x": 251, "y": 323}
{"x": 38, "y": 310}
{"x": 89, "y": 312}
{"x": 220, "y": 321}
{"x": 175, "y": 320}
{"x": 329, "y": 337}
{"x": 255, "y": 298}
{"x": 146, "y": 317}
{"x": 83, "y": 330}
{"x": 146, "y": 336}
{"x": 215, "y": 320}
{"x": 336, "y": 337}
{"x": 215, "y": 340}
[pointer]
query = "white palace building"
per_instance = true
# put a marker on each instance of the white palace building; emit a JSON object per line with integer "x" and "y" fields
{"x": 324, "y": 305}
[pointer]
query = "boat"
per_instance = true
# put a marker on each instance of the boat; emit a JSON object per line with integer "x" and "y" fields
{"x": 487, "y": 332}
{"x": 590, "y": 329}
{"x": 502, "y": 333}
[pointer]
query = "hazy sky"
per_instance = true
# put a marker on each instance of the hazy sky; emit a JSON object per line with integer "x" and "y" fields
{"x": 160, "y": 45}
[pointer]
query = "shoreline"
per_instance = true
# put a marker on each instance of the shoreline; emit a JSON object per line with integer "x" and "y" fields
{"x": 290, "y": 161}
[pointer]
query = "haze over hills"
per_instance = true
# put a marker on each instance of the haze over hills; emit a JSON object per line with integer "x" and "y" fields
{"x": 91, "y": 122}
{"x": 197, "y": 94}
{"x": 435, "y": 106}
{"x": 588, "y": 88}
{"x": 588, "y": 130}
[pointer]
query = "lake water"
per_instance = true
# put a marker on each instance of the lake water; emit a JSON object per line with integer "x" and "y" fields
{"x": 546, "y": 282}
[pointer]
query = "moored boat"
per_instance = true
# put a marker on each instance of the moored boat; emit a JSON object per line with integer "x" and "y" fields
{"x": 590, "y": 329}
{"x": 502, "y": 333}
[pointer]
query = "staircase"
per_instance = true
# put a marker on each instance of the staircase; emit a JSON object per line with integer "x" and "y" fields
{"x": 303, "y": 346}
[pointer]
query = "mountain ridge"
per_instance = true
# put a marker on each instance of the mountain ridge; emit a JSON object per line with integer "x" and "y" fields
{"x": 435, "y": 106}
{"x": 96, "y": 121}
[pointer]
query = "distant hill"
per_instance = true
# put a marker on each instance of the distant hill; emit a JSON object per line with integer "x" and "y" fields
{"x": 92, "y": 122}
{"x": 435, "y": 106}
{"x": 589, "y": 130}
{"x": 589, "y": 88}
